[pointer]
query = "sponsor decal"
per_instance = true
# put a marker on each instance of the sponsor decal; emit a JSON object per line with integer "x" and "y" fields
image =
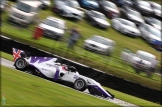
{"x": 39, "y": 59}
{"x": 51, "y": 65}
{"x": 76, "y": 77}
{"x": 45, "y": 69}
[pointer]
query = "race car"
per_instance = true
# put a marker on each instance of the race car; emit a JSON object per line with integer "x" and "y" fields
{"x": 49, "y": 68}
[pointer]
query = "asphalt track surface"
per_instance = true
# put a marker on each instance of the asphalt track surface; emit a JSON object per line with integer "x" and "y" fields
{"x": 9, "y": 64}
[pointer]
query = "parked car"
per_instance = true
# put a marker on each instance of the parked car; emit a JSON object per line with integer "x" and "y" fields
{"x": 108, "y": 8}
{"x": 97, "y": 19}
{"x": 149, "y": 33}
{"x": 25, "y": 12}
{"x": 89, "y": 4}
{"x": 53, "y": 27}
{"x": 153, "y": 22}
{"x": 131, "y": 15}
{"x": 128, "y": 3}
{"x": 143, "y": 7}
{"x": 156, "y": 9}
{"x": 140, "y": 60}
{"x": 66, "y": 8}
{"x": 126, "y": 27}
{"x": 3, "y": 3}
{"x": 157, "y": 45}
{"x": 119, "y": 3}
{"x": 45, "y": 4}
{"x": 100, "y": 44}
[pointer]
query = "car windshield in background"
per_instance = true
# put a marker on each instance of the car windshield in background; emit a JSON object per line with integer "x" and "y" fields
{"x": 111, "y": 5}
{"x": 2, "y": 2}
{"x": 100, "y": 40}
{"x": 53, "y": 24}
{"x": 134, "y": 13}
{"x": 98, "y": 15}
{"x": 23, "y": 7}
{"x": 155, "y": 32}
{"x": 124, "y": 22}
{"x": 73, "y": 3}
{"x": 157, "y": 7}
{"x": 92, "y": 0}
{"x": 155, "y": 21}
{"x": 143, "y": 57}
{"x": 145, "y": 4}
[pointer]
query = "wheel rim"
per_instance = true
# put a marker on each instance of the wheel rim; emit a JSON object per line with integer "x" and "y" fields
{"x": 79, "y": 84}
{"x": 20, "y": 64}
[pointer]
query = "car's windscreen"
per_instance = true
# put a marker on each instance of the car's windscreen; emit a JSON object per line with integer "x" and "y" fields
{"x": 135, "y": 13}
{"x": 127, "y": 23}
{"x": 109, "y": 4}
{"x": 156, "y": 22}
{"x": 23, "y": 7}
{"x": 157, "y": 7}
{"x": 73, "y": 4}
{"x": 100, "y": 40}
{"x": 98, "y": 15}
{"x": 92, "y": 0}
{"x": 145, "y": 4}
{"x": 53, "y": 24}
{"x": 2, "y": 2}
{"x": 143, "y": 56}
{"x": 155, "y": 32}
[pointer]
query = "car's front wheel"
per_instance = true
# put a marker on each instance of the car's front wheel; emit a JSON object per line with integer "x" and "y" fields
{"x": 80, "y": 84}
{"x": 21, "y": 64}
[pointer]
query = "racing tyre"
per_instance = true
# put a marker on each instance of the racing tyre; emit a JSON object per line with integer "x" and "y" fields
{"x": 21, "y": 64}
{"x": 80, "y": 84}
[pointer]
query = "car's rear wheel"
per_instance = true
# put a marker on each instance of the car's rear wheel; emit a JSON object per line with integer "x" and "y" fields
{"x": 80, "y": 84}
{"x": 21, "y": 64}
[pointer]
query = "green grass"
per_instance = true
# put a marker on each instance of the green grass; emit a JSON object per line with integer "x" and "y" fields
{"x": 110, "y": 65}
{"x": 132, "y": 99}
{"x": 26, "y": 90}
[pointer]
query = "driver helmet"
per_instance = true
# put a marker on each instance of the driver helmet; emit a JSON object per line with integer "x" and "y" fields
{"x": 72, "y": 69}
{"x": 65, "y": 67}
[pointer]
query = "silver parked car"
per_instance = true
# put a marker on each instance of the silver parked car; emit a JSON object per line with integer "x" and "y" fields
{"x": 100, "y": 44}
{"x": 126, "y": 27}
{"x": 150, "y": 33}
{"x": 68, "y": 9}
{"x": 53, "y": 27}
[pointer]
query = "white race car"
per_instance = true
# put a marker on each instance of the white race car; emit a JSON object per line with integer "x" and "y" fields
{"x": 48, "y": 67}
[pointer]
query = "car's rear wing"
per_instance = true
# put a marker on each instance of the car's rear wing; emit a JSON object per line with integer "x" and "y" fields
{"x": 17, "y": 53}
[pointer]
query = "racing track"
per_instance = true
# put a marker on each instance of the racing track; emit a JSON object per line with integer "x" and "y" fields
{"x": 9, "y": 64}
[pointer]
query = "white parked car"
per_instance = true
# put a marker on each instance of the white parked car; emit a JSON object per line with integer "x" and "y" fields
{"x": 157, "y": 9}
{"x": 68, "y": 8}
{"x": 97, "y": 19}
{"x": 100, "y": 44}
{"x": 126, "y": 27}
{"x": 25, "y": 12}
{"x": 140, "y": 60}
{"x": 53, "y": 27}
{"x": 150, "y": 33}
